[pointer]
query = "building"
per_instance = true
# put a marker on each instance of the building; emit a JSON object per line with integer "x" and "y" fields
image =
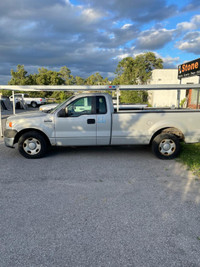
{"x": 168, "y": 98}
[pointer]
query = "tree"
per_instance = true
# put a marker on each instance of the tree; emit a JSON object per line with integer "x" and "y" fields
{"x": 43, "y": 77}
{"x": 60, "y": 96}
{"x": 96, "y": 79}
{"x": 48, "y": 77}
{"x": 65, "y": 74}
{"x": 19, "y": 77}
{"x": 136, "y": 70}
{"x": 79, "y": 80}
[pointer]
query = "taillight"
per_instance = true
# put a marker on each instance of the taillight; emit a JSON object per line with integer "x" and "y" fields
{"x": 40, "y": 99}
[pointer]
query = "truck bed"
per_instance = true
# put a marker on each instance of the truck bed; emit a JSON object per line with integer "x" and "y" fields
{"x": 138, "y": 126}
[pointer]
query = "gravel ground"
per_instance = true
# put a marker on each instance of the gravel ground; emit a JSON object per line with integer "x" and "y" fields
{"x": 103, "y": 206}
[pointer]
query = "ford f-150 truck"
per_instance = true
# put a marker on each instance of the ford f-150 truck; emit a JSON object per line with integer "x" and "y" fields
{"x": 91, "y": 120}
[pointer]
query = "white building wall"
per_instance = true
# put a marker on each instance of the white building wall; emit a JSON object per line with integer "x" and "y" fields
{"x": 168, "y": 98}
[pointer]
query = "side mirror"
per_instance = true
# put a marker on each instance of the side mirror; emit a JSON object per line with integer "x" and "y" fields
{"x": 62, "y": 113}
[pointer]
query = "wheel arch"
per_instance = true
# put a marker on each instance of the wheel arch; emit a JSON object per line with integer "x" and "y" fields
{"x": 172, "y": 130}
{"x": 19, "y": 134}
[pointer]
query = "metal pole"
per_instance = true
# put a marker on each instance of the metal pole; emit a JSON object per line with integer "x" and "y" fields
{"x": 13, "y": 94}
{"x": 118, "y": 93}
{"x": 197, "y": 107}
{"x": 1, "y": 132}
{"x": 179, "y": 95}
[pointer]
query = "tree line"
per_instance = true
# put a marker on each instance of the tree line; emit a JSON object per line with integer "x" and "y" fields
{"x": 129, "y": 70}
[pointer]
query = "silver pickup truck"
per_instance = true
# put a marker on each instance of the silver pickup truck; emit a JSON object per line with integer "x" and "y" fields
{"x": 91, "y": 120}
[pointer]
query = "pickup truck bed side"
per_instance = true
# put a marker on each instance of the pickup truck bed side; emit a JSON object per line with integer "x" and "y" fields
{"x": 138, "y": 127}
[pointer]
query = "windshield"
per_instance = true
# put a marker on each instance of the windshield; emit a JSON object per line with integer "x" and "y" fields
{"x": 61, "y": 104}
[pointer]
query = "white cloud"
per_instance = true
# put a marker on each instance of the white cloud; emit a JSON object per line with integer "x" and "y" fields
{"x": 91, "y": 15}
{"x": 185, "y": 26}
{"x": 122, "y": 56}
{"x": 154, "y": 39}
{"x": 126, "y": 26}
{"x": 189, "y": 26}
{"x": 170, "y": 62}
{"x": 191, "y": 46}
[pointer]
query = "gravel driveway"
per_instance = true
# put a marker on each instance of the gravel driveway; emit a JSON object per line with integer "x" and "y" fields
{"x": 103, "y": 206}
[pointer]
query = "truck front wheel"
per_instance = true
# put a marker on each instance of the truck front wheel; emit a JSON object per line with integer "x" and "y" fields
{"x": 32, "y": 145}
{"x": 166, "y": 146}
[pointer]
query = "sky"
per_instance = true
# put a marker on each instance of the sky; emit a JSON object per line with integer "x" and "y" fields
{"x": 90, "y": 36}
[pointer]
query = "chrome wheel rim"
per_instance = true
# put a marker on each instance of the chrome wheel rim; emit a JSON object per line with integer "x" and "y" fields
{"x": 167, "y": 147}
{"x": 32, "y": 146}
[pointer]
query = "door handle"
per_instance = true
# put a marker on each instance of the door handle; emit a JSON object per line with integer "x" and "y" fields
{"x": 48, "y": 120}
{"x": 91, "y": 121}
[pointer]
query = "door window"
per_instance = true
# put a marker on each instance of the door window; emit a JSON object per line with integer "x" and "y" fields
{"x": 81, "y": 106}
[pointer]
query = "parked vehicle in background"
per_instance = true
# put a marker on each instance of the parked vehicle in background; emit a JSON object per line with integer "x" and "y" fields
{"x": 5, "y": 103}
{"x": 48, "y": 107}
{"x": 32, "y": 101}
{"x": 91, "y": 119}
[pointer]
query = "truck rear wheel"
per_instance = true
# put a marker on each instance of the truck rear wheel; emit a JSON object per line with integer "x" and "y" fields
{"x": 166, "y": 146}
{"x": 33, "y": 104}
{"x": 32, "y": 145}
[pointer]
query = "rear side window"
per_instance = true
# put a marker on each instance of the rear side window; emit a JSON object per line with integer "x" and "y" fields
{"x": 101, "y": 105}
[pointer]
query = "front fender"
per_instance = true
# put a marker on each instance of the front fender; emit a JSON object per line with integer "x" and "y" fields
{"x": 43, "y": 124}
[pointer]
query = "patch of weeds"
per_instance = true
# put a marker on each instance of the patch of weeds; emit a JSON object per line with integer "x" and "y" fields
{"x": 190, "y": 156}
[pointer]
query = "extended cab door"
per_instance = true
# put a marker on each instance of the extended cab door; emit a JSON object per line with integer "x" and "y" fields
{"x": 78, "y": 126}
{"x": 103, "y": 121}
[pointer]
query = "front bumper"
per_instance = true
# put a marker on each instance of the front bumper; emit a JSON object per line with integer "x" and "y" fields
{"x": 9, "y": 137}
{"x": 9, "y": 141}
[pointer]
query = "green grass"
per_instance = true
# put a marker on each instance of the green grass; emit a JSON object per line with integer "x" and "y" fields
{"x": 190, "y": 156}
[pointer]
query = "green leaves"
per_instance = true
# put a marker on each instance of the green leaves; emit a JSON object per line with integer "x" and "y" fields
{"x": 19, "y": 77}
{"x": 96, "y": 79}
{"x": 136, "y": 71}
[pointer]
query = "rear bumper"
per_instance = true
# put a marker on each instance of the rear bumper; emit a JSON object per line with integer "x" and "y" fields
{"x": 9, "y": 137}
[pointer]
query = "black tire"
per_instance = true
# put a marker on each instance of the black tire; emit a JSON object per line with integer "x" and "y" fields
{"x": 166, "y": 146}
{"x": 32, "y": 145}
{"x": 18, "y": 106}
{"x": 33, "y": 104}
